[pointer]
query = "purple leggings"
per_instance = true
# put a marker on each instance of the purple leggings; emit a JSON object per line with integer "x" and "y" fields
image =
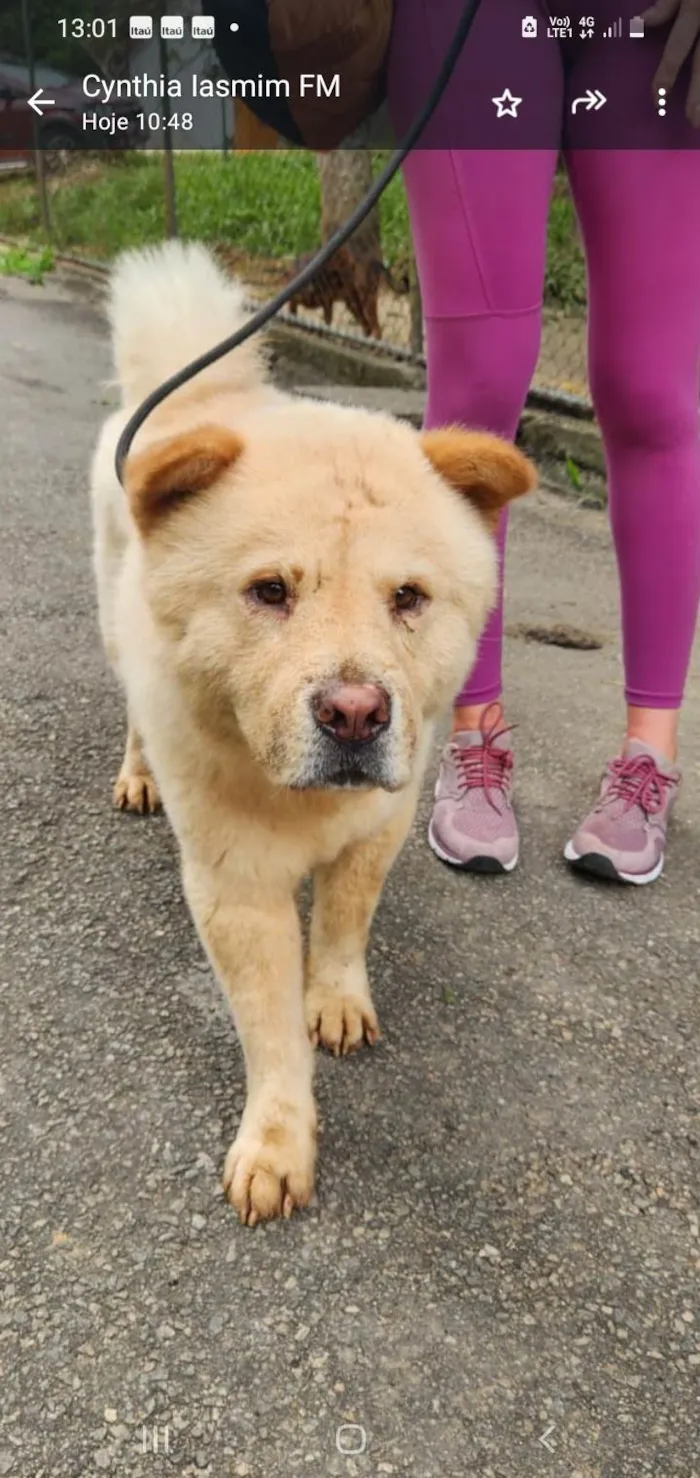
{"x": 479, "y": 222}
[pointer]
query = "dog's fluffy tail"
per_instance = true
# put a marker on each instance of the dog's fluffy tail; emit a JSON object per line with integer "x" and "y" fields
{"x": 169, "y": 304}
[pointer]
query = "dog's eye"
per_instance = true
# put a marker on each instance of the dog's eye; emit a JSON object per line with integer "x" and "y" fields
{"x": 270, "y": 592}
{"x": 408, "y": 598}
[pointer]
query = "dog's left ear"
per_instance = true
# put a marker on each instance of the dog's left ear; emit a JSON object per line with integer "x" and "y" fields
{"x": 488, "y": 471}
{"x": 171, "y": 471}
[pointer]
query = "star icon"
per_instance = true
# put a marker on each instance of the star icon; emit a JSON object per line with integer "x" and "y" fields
{"x": 507, "y": 105}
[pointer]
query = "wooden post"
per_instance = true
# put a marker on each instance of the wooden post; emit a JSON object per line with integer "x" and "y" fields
{"x": 168, "y": 166}
{"x": 39, "y": 161}
{"x": 416, "y": 311}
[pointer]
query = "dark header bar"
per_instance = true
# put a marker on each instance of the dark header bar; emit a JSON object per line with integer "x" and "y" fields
{"x": 96, "y": 76}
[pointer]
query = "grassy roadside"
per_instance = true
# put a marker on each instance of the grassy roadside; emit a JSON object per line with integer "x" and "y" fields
{"x": 32, "y": 263}
{"x": 261, "y": 204}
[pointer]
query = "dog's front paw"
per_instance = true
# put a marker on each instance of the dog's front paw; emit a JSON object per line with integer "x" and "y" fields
{"x": 270, "y": 1166}
{"x": 342, "y": 1021}
{"x": 136, "y": 791}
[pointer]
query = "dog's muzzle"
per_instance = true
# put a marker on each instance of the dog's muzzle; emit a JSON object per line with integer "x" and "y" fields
{"x": 352, "y": 713}
{"x": 352, "y": 743}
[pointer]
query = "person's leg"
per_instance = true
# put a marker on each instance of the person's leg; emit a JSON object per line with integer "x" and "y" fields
{"x": 479, "y": 220}
{"x": 479, "y": 223}
{"x": 479, "y": 373}
{"x": 640, "y": 218}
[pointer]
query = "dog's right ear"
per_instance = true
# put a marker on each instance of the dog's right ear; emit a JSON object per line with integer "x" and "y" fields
{"x": 173, "y": 470}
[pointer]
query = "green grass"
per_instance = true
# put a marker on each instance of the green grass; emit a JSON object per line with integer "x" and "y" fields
{"x": 573, "y": 473}
{"x": 565, "y": 279}
{"x": 19, "y": 261}
{"x": 19, "y": 208}
{"x": 265, "y": 204}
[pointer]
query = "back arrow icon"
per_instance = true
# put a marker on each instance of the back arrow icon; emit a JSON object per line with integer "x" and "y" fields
{"x": 591, "y": 100}
{"x": 38, "y": 99}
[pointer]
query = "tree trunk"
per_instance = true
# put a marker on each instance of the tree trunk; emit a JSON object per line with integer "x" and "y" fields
{"x": 346, "y": 175}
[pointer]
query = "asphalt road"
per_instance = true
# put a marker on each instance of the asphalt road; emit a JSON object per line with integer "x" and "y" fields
{"x": 500, "y": 1278}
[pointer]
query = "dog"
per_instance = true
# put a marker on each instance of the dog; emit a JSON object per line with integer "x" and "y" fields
{"x": 350, "y": 279}
{"x": 290, "y": 592}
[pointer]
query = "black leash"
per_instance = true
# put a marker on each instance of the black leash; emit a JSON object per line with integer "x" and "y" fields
{"x": 308, "y": 273}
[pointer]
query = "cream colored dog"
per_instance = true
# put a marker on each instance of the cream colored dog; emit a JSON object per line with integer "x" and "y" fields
{"x": 291, "y": 593}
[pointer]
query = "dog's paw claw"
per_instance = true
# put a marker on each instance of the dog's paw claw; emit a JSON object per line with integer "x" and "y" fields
{"x": 136, "y": 792}
{"x": 341, "y": 1023}
{"x": 270, "y": 1173}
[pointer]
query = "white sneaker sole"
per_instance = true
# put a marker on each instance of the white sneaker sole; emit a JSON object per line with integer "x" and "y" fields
{"x": 483, "y": 863}
{"x": 606, "y": 867}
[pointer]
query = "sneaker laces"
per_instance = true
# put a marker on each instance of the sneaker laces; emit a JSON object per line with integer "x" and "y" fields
{"x": 483, "y": 766}
{"x": 637, "y": 781}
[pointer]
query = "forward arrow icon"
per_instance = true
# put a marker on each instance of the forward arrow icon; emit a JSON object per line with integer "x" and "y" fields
{"x": 591, "y": 100}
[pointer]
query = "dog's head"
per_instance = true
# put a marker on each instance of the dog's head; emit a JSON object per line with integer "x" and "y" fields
{"x": 322, "y": 580}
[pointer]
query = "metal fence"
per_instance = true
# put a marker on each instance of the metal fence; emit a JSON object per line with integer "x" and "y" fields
{"x": 561, "y": 375}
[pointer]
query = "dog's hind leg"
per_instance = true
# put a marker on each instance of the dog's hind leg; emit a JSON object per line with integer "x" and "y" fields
{"x": 135, "y": 789}
{"x": 340, "y": 1014}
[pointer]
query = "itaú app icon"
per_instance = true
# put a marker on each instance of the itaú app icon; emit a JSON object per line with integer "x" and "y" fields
{"x": 529, "y": 25}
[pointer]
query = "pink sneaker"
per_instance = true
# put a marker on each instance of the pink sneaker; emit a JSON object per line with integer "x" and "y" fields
{"x": 624, "y": 836}
{"x": 473, "y": 825}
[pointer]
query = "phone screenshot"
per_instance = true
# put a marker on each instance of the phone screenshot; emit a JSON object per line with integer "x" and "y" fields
{"x": 349, "y": 588}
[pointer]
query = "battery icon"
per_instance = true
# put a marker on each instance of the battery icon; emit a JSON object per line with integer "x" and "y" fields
{"x": 637, "y": 26}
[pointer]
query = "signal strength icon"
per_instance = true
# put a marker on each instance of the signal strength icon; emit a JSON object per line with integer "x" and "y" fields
{"x": 612, "y": 32}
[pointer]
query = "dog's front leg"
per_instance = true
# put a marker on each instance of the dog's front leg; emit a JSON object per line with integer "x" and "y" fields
{"x": 339, "y": 1010}
{"x": 254, "y": 944}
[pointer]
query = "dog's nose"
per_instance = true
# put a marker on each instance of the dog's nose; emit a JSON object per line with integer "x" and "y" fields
{"x": 353, "y": 712}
